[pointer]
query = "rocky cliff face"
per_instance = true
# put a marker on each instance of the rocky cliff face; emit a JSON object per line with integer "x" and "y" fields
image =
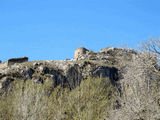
{"x": 112, "y": 84}
{"x": 68, "y": 73}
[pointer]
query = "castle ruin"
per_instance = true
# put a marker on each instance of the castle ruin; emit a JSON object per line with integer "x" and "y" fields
{"x": 80, "y": 51}
{"x": 12, "y": 61}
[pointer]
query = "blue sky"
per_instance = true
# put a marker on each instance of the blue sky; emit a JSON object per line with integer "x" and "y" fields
{"x": 53, "y": 29}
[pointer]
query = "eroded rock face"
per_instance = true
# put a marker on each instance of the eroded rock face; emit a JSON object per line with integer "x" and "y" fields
{"x": 68, "y": 73}
{"x": 70, "y": 77}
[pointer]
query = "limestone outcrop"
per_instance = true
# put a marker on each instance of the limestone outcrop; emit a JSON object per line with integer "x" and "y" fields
{"x": 67, "y": 73}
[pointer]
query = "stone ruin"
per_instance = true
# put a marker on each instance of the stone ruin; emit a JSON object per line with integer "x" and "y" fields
{"x": 111, "y": 55}
{"x": 79, "y": 52}
{"x": 83, "y": 53}
{"x": 12, "y": 61}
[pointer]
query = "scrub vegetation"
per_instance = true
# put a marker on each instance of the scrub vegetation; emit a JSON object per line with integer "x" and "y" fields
{"x": 91, "y": 100}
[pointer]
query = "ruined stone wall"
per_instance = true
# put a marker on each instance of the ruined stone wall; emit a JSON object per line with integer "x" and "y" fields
{"x": 80, "y": 52}
{"x": 12, "y": 61}
{"x": 17, "y": 60}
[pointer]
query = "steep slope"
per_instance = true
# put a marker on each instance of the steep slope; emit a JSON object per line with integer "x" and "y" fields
{"x": 86, "y": 87}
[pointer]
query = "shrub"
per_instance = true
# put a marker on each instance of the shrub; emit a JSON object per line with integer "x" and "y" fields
{"x": 140, "y": 90}
{"x": 28, "y": 100}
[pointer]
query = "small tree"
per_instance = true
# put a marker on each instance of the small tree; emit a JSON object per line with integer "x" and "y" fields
{"x": 140, "y": 86}
{"x": 152, "y": 46}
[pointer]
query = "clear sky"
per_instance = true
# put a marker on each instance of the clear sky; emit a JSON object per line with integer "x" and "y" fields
{"x": 53, "y": 29}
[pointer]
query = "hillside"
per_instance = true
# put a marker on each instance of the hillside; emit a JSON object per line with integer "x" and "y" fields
{"x": 112, "y": 84}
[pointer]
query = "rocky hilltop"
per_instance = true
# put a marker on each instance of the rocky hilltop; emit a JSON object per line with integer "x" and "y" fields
{"x": 67, "y": 73}
{"x": 112, "y": 84}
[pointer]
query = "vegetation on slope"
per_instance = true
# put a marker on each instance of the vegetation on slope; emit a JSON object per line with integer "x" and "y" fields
{"x": 140, "y": 86}
{"x": 31, "y": 101}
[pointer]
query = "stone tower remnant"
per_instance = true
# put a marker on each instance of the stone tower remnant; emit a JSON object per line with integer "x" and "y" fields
{"x": 80, "y": 51}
